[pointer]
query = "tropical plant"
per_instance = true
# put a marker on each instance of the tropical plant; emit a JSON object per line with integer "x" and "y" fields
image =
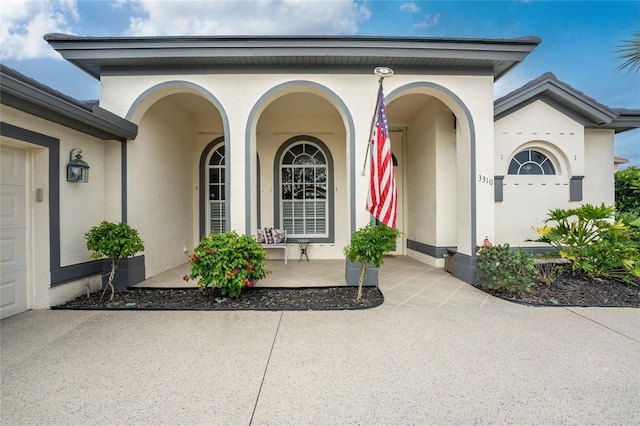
{"x": 627, "y": 184}
{"x": 115, "y": 241}
{"x": 502, "y": 268}
{"x": 594, "y": 242}
{"x": 629, "y": 53}
{"x": 369, "y": 244}
{"x": 227, "y": 261}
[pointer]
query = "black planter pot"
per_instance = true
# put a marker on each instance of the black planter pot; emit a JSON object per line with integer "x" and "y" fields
{"x": 130, "y": 271}
{"x": 352, "y": 274}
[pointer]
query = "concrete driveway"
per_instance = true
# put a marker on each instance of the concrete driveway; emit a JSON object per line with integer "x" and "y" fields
{"x": 393, "y": 365}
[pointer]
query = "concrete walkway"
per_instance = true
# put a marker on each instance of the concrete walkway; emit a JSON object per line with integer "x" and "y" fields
{"x": 402, "y": 363}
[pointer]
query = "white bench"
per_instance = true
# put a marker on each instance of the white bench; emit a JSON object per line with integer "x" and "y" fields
{"x": 282, "y": 245}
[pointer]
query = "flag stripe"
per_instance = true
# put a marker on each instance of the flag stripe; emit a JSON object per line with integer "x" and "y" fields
{"x": 382, "y": 199}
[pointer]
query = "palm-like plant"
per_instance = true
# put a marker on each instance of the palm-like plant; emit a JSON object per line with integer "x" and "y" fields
{"x": 629, "y": 53}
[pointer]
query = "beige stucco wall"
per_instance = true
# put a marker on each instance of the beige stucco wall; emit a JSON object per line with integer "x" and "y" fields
{"x": 574, "y": 152}
{"x": 431, "y": 176}
{"x": 160, "y": 185}
{"x": 81, "y": 205}
{"x": 357, "y": 93}
{"x": 598, "y": 185}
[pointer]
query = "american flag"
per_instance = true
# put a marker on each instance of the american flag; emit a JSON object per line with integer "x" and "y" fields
{"x": 383, "y": 194}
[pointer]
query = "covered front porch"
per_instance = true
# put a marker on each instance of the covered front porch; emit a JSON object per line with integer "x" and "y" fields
{"x": 403, "y": 281}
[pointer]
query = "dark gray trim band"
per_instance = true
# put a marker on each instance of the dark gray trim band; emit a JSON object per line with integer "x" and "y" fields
{"x": 465, "y": 268}
{"x": 428, "y": 249}
{"x": 53, "y": 145}
{"x": 124, "y": 181}
{"x": 258, "y": 192}
{"x": 75, "y": 272}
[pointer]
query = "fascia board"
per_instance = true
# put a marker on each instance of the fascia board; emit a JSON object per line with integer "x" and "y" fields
{"x": 92, "y": 54}
{"x": 581, "y": 103}
{"x": 106, "y": 126}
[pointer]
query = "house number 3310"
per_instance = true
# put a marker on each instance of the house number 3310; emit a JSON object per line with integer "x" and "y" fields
{"x": 485, "y": 179}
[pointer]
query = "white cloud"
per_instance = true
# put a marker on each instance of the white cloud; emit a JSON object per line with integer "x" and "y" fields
{"x": 257, "y": 17}
{"x": 429, "y": 21}
{"x": 25, "y": 22}
{"x": 514, "y": 79}
{"x": 410, "y": 7}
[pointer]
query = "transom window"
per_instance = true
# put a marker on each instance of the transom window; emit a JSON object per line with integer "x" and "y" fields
{"x": 216, "y": 191}
{"x": 303, "y": 183}
{"x": 531, "y": 162}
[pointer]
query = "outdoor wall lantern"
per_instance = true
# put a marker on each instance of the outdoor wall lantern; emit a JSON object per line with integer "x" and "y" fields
{"x": 77, "y": 169}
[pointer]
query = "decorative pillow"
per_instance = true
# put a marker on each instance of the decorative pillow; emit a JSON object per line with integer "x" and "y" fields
{"x": 268, "y": 235}
{"x": 261, "y": 236}
{"x": 278, "y": 235}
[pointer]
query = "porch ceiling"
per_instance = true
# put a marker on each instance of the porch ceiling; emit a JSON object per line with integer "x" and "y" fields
{"x": 126, "y": 55}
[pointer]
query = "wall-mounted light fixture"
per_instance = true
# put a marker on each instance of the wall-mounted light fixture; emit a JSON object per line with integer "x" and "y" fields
{"x": 77, "y": 169}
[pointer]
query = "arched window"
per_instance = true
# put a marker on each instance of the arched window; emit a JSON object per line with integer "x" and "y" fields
{"x": 304, "y": 181}
{"x": 531, "y": 162}
{"x": 216, "y": 191}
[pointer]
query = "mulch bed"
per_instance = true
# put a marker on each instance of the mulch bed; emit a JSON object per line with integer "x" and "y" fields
{"x": 569, "y": 290}
{"x": 257, "y": 298}
{"x": 565, "y": 290}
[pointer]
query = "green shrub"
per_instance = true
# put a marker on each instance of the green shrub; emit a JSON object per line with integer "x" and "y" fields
{"x": 627, "y": 183}
{"x": 632, "y": 222}
{"x": 115, "y": 241}
{"x": 227, "y": 261}
{"x": 502, "y": 268}
{"x": 595, "y": 243}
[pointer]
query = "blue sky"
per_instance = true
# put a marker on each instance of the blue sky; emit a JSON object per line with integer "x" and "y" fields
{"x": 579, "y": 38}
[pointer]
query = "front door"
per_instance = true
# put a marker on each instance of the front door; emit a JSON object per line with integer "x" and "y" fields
{"x": 13, "y": 232}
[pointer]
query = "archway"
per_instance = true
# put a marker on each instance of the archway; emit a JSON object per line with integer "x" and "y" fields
{"x": 176, "y": 121}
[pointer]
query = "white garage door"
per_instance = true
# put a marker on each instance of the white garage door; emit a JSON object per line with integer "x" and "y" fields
{"x": 13, "y": 232}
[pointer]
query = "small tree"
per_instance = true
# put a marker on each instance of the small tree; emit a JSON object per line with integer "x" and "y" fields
{"x": 369, "y": 245}
{"x": 115, "y": 241}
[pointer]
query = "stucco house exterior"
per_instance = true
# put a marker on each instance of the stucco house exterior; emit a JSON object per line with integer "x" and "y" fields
{"x": 193, "y": 135}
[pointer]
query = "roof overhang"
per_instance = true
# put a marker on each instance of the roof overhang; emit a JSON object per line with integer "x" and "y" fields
{"x": 570, "y": 101}
{"x": 562, "y": 96}
{"x": 627, "y": 119}
{"x": 102, "y": 55}
{"x": 25, "y": 94}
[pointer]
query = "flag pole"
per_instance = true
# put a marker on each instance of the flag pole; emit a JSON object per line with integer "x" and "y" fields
{"x": 381, "y": 72}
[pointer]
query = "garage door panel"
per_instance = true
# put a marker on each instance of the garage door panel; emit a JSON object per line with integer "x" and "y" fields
{"x": 13, "y": 166}
{"x": 13, "y": 232}
{"x": 13, "y": 298}
{"x": 12, "y": 209}
{"x": 12, "y": 251}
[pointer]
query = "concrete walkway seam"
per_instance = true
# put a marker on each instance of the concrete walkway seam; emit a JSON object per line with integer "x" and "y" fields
{"x": 266, "y": 367}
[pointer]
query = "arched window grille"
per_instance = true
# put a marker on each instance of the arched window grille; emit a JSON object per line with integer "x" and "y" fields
{"x": 303, "y": 191}
{"x": 216, "y": 190}
{"x": 531, "y": 162}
